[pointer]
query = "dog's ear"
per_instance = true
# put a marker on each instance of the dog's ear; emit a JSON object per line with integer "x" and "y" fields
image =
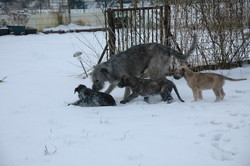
{"x": 76, "y": 90}
{"x": 83, "y": 87}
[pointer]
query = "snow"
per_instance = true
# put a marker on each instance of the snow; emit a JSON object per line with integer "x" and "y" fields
{"x": 4, "y": 27}
{"x": 38, "y": 128}
{"x": 68, "y": 28}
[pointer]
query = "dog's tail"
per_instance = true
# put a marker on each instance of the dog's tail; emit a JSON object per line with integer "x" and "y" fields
{"x": 181, "y": 56}
{"x": 177, "y": 93}
{"x": 232, "y": 79}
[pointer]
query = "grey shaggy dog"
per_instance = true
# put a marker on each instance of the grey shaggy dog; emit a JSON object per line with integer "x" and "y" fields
{"x": 148, "y": 87}
{"x": 152, "y": 58}
{"x": 91, "y": 98}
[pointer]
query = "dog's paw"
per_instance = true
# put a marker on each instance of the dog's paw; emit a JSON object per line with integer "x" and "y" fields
{"x": 170, "y": 101}
{"x": 123, "y": 102}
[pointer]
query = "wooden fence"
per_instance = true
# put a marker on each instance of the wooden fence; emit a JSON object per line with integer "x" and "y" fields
{"x": 223, "y": 29}
{"x": 132, "y": 26}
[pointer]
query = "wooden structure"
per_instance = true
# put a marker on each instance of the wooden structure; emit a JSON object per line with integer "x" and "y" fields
{"x": 132, "y": 26}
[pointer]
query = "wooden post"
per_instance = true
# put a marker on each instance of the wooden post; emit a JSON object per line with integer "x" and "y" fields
{"x": 167, "y": 22}
{"x": 111, "y": 32}
{"x": 49, "y": 4}
{"x": 103, "y": 52}
{"x": 69, "y": 11}
{"x": 161, "y": 26}
{"x": 121, "y": 4}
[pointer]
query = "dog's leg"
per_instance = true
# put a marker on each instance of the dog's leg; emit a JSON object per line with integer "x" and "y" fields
{"x": 200, "y": 94}
{"x": 111, "y": 88}
{"x": 222, "y": 94}
{"x": 166, "y": 96}
{"x": 75, "y": 103}
{"x": 217, "y": 94}
{"x": 131, "y": 97}
{"x": 195, "y": 93}
{"x": 127, "y": 92}
{"x": 146, "y": 99}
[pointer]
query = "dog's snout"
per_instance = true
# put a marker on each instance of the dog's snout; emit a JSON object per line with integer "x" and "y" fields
{"x": 120, "y": 85}
{"x": 94, "y": 87}
{"x": 177, "y": 75}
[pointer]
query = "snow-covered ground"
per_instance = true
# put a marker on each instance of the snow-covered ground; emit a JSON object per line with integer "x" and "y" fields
{"x": 37, "y": 128}
{"x": 68, "y": 28}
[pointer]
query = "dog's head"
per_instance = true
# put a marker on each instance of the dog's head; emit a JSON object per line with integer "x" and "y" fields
{"x": 180, "y": 72}
{"x": 125, "y": 81}
{"x": 99, "y": 75}
{"x": 80, "y": 88}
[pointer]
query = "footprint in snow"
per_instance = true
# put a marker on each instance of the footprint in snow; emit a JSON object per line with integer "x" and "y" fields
{"x": 234, "y": 114}
{"x": 230, "y": 125}
{"x": 221, "y": 154}
{"x": 202, "y": 135}
{"x": 226, "y": 139}
{"x": 240, "y": 91}
{"x": 217, "y": 137}
{"x": 244, "y": 115}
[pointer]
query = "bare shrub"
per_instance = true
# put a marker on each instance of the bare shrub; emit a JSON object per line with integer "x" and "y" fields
{"x": 222, "y": 27}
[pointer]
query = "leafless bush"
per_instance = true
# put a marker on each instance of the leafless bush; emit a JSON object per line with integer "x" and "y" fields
{"x": 224, "y": 24}
{"x": 19, "y": 17}
{"x": 223, "y": 30}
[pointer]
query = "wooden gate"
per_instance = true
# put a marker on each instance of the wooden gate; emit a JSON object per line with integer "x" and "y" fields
{"x": 132, "y": 26}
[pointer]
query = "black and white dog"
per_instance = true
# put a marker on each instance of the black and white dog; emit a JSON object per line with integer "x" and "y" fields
{"x": 91, "y": 98}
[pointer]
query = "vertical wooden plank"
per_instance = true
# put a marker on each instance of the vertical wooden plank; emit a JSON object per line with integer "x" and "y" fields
{"x": 156, "y": 24}
{"x": 111, "y": 32}
{"x": 161, "y": 25}
{"x": 167, "y": 24}
{"x": 123, "y": 26}
{"x": 118, "y": 24}
{"x": 106, "y": 25}
{"x": 144, "y": 26}
{"x": 148, "y": 26}
{"x": 135, "y": 27}
{"x": 131, "y": 28}
{"x": 140, "y": 26}
{"x": 126, "y": 32}
{"x": 152, "y": 30}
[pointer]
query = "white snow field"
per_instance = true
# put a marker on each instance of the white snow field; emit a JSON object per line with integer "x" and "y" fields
{"x": 37, "y": 128}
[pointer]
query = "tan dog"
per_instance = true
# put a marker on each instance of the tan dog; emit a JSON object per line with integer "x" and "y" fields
{"x": 200, "y": 81}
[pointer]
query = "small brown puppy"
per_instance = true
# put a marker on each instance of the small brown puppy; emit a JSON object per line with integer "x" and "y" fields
{"x": 200, "y": 81}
